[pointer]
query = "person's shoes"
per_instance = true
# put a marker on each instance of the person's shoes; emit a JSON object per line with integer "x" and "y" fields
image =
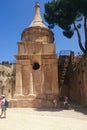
{"x": 4, "y": 116}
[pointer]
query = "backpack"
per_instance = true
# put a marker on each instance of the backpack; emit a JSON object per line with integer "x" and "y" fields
{"x": 6, "y": 103}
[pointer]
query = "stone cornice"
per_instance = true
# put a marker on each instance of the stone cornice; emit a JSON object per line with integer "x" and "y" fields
{"x": 22, "y": 57}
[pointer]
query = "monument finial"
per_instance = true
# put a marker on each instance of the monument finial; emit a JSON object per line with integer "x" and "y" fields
{"x": 37, "y": 4}
{"x": 37, "y": 20}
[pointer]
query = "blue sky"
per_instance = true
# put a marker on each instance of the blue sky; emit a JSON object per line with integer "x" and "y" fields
{"x": 15, "y": 16}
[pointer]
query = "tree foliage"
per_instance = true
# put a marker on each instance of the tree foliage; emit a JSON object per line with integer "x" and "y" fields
{"x": 68, "y": 14}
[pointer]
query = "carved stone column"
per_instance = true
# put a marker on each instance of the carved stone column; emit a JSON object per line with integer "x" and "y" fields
{"x": 18, "y": 87}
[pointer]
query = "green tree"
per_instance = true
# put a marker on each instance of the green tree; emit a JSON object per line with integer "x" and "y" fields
{"x": 68, "y": 14}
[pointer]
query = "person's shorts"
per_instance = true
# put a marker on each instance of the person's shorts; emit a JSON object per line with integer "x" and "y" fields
{"x": 3, "y": 108}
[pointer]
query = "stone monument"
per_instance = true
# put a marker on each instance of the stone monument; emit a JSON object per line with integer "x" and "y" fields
{"x": 36, "y": 66}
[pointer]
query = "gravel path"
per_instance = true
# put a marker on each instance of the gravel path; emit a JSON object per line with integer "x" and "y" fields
{"x": 44, "y": 119}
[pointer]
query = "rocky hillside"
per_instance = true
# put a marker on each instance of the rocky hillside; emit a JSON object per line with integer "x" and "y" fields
{"x": 7, "y": 78}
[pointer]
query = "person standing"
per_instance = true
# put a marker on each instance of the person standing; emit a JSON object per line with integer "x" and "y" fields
{"x": 3, "y": 106}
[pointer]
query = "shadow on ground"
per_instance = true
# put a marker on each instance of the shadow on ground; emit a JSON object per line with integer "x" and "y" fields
{"x": 80, "y": 108}
{"x": 77, "y": 108}
{"x": 49, "y": 109}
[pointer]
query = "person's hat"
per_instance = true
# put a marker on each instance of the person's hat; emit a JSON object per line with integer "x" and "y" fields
{"x": 3, "y": 95}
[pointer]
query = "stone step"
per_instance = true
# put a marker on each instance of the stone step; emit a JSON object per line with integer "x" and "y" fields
{"x": 30, "y": 103}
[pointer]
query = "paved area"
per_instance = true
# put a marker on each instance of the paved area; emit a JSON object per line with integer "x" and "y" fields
{"x": 44, "y": 119}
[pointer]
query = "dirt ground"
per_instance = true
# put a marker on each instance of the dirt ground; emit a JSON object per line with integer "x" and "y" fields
{"x": 45, "y": 119}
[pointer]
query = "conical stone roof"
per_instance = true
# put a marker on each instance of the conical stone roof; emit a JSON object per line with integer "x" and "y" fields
{"x": 37, "y": 20}
{"x": 37, "y": 30}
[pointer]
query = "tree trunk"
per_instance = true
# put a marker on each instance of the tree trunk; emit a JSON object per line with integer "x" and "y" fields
{"x": 85, "y": 31}
{"x": 79, "y": 39}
